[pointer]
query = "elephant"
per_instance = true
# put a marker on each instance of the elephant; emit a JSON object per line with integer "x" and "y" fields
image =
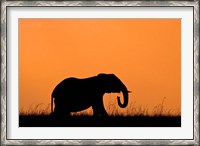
{"x": 74, "y": 94}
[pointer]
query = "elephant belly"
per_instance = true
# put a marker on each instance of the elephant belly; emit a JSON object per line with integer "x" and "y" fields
{"x": 74, "y": 104}
{"x": 81, "y": 105}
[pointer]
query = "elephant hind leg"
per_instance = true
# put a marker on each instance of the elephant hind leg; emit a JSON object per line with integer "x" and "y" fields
{"x": 60, "y": 113}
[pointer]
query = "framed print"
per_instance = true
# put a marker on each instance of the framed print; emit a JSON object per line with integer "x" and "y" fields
{"x": 100, "y": 72}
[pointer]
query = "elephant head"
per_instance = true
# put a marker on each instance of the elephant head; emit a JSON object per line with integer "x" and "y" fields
{"x": 112, "y": 84}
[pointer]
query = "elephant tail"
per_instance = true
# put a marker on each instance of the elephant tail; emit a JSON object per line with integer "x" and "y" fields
{"x": 51, "y": 104}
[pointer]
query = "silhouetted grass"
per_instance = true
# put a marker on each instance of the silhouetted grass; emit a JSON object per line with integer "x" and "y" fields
{"x": 90, "y": 121}
{"x": 133, "y": 117}
{"x": 37, "y": 110}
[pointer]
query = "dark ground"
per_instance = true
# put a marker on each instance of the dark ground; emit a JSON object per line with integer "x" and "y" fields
{"x": 90, "y": 121}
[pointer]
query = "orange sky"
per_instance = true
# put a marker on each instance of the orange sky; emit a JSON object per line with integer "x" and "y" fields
{"x": 143, "y": 53}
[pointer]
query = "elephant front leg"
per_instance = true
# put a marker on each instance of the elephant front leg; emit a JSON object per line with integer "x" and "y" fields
{"x": 98, "y": 108}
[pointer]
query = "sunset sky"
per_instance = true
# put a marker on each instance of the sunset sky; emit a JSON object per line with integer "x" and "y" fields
{"x": 144, "y": 53}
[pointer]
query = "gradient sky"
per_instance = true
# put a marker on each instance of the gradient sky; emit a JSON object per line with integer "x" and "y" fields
{"x": 144, "y": 53}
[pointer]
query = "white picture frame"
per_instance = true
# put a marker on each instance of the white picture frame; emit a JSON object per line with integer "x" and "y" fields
{"x": 8, "y": 40}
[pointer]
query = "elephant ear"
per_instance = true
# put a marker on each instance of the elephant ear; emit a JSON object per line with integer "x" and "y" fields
{"x": 101, "y": 75}
{"x": 105, "y": 82}
{"x": 102, "y": 82}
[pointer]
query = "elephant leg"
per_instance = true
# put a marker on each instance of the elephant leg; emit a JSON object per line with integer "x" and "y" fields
{"x": 58, "y": 114}
{"x": 98, "y": 108}
{"x": 60, "y": 110}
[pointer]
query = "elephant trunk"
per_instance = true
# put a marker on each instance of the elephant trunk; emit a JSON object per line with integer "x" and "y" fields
{"x": 125, "y": 95}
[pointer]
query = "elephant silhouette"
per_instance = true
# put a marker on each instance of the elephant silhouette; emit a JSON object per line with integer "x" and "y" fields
{"x": 73, "y": 94}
